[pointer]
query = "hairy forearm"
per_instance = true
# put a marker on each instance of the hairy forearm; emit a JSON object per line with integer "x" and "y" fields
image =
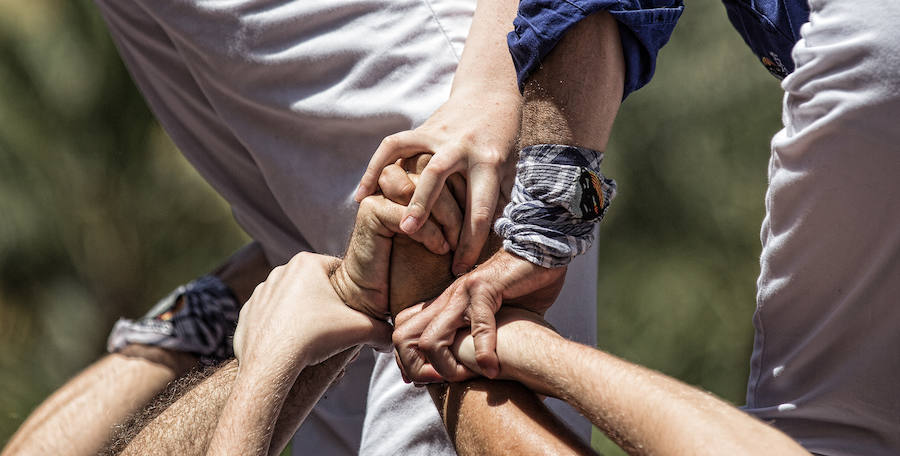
{"x": 574, "y": 97}
{"x": 265, "y": 414}
{"x": 644, "y": 411}
{"x": 188, "y": 419}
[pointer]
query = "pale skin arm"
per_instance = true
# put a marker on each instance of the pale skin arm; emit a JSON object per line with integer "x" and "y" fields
{"x": 78, "y": 419}
{"x": 644, "y": 411}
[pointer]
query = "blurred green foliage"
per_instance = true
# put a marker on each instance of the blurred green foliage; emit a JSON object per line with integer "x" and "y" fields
{"x": 100, "y": 215}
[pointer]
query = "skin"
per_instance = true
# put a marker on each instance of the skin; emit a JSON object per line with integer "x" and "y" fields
{"x": 561, "y": 106}
{"x": 644, "y": 411}
{"x": 78, "y": 419}
{"x": 258, "y": 394}
{"x": 472, "y": 134}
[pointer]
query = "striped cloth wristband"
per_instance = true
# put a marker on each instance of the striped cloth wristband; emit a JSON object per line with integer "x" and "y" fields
{"x": 558, "y": 196}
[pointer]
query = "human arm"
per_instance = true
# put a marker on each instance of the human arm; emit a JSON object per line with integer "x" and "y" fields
{"x": 79, "y": 418}
{"x": 473, "y": 134}
{"x": 572, "y": 99}
{"x": 642, "y": 410}
{"x": 294, "y": 320}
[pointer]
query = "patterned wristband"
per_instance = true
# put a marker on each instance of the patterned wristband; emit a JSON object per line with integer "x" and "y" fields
{"x": 558, "y": 196}
{"x": 201, "y": 323}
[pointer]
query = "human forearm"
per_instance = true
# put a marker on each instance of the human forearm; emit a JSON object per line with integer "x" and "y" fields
{"x": 485, "y": 417}
{"x": 261, "y": 414}
{"x": 649, "y": 413}
{"x": 574, "y": 97}
{"x": 642, "y": 410}
{"x": 108, "y": 391}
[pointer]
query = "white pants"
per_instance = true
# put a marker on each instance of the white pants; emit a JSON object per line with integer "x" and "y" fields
{"x": 279, "y": 105}
{"x": 826, "y": 361}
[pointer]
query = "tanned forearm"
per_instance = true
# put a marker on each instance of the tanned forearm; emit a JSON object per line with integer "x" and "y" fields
{"x": 574, "y": 97}
{"x": 186, "y": 424}
{"x": 472, "y": 411}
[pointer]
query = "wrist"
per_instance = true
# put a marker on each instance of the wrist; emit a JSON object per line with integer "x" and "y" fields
{"x": 354, "y": 296}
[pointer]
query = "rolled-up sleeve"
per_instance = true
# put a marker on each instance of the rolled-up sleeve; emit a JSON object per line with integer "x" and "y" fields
{"x": 644, "y": 26}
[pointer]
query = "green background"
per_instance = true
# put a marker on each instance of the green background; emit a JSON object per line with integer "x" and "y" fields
{"x": 100, "y": 215}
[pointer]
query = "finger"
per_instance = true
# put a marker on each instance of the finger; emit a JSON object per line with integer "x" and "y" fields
{"x": 484, "y": 186}
{"x": 448, "y": 214}
{"x": 400, "y": 366}
{"x": 416, "y": 164}
{"x": 427, "y": 190}
{"x": 407, "y": 314}
{"x": 430, "y": 235}
{"x": 484, "y": 333}
{"x": 399, "y": 145}
{"x": 438, "y": 336}
{"x": 413, "y": 365}
{"x": 457, "y": 185}
{"x": 396, "y": 185}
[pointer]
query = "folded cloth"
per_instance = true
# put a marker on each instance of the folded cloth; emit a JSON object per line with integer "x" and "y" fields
{"x": 197, "y": 318}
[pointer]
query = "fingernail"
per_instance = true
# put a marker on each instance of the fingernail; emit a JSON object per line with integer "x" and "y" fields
{"x": 361, "y": 192}
{"x": 491, "y": 372}
{"x": 445, "y": 247}
{"x": 459, "y": 269}
{"x": 408, "y": 225}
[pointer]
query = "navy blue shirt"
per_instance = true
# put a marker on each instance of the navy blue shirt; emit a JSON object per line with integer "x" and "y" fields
{"x": 770, "y": 28}
{"x": 644, "y": 27}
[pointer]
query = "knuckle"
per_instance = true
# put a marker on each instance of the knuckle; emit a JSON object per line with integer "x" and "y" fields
{"x": 429, "y": 344}
{"x": 367, "y": 204}
{"x": 390, "y": 142}
{"x": 407, "y": 189}
{"x": 490, "y": 157}
{"x": 482, "y": 214}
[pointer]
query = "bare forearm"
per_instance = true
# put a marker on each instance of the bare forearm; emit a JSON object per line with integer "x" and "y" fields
{"x": 108, "y": 391}
{"x": 647, "y": 412}
{"x": 486, "y": 417}
{"x": 574, "y": 97}
{"x": 186, "y": 425}
{"x": 486, "y": 68}
{"x": 261, "y": 416}
{"x": 305, "y": 394}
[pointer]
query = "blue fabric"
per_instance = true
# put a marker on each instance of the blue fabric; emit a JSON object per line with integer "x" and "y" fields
{"x": 644, "y": 27}
{"x": 770, "y": 28}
